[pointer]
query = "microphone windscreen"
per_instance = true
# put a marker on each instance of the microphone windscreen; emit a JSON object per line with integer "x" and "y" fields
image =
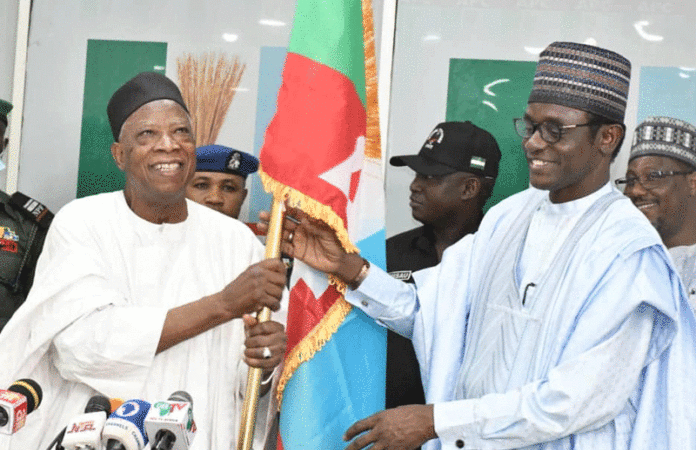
{"x": 181, "y": 396}
{"x": 98, "y": 403}
{"x": 31, "y": 390}
{"x": 116, "y": 403}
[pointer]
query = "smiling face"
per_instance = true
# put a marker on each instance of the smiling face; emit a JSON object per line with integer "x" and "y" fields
{"x": 669, "y": 206}
{"x": 156, "y": 151}
{"x": 576, "y": 165}
{"x": 224, "y": 192}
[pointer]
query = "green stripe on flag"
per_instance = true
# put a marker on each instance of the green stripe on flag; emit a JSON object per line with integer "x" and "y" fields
{"x": 109, "y": 64}
{"x": 330, "y": 32}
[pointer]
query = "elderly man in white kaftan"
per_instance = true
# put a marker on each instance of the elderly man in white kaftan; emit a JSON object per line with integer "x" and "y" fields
{"x": 139, "y": 293}
{"x": 561, "y": 323}
{"x": 661, "y": 182}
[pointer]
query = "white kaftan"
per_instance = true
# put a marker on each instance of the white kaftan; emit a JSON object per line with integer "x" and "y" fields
{"x": 599, "y": 356}
{"x": 93, "y": 319}
{"x": 684, "y": 258}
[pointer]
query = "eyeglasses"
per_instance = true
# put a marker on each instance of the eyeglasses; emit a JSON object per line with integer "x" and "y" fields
{"x": 651, "y": 180}
{"x": 551, "y": 132}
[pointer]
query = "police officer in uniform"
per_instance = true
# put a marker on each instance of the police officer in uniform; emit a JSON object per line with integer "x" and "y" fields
{"x": 455, "y": 173}
{"x": 23, "y": 226}
{"x": 220, "y": 179}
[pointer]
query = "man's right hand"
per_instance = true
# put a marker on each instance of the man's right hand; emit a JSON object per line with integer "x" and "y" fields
{"x": 260, "y": 285}
{"x": 315, "y": 243}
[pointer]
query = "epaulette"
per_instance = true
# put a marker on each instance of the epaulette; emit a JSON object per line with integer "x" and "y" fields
{"x": 32, "y": 209}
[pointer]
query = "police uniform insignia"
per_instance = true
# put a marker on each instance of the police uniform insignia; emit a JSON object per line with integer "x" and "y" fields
{"x": 235, "y": 161}
{"x": 403, "y": 275}
{"x": 8, "y": 240}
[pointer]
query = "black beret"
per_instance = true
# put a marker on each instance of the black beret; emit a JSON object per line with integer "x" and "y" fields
{"x": 143, "y": 88}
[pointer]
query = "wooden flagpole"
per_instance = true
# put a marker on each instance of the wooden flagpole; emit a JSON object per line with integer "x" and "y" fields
{"x": 251, "y": 399}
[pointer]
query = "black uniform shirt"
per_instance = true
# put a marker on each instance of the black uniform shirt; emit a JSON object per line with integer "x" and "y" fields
{"x": 406, "y": 253}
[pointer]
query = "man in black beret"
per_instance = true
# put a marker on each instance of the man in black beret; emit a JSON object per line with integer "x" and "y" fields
{"x": 143, "y": 292}
{"x": 455, "y": 173}
{"x": 23, "y": 226}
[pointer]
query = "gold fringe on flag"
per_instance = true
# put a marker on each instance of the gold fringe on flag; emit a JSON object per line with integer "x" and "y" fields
{"x": 373, "y": 145}
{"x": 312, "y": 207}
{"x": 313, "y": 342}
{"x": 327, "y": 326}
{"x": 208, "y": 84}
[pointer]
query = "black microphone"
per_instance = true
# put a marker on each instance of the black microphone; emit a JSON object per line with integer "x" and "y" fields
{"x": 20, "y": 399}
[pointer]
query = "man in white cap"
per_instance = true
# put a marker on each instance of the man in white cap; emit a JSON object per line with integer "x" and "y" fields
{"x": 140, "y": 293}
{"x": 661, "y": 182}
{"x": 561, "y": 323}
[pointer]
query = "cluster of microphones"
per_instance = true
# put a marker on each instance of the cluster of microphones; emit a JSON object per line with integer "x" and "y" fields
{"x": 107, "y": 424}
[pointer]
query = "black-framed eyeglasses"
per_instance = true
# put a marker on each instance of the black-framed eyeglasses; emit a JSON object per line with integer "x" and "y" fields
{"x": 551, "y": 132}
{"x": 650, "y": 180}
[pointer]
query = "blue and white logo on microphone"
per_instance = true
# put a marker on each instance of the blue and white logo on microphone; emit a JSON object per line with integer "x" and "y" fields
{"x": 128, "y": 409}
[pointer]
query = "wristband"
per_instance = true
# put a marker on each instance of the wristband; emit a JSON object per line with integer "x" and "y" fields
{"x": 360, "y": 277}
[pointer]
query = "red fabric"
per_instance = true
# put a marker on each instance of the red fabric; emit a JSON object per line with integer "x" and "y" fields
{"x": 306, "y": 311}
{"x": 305, "y": 138}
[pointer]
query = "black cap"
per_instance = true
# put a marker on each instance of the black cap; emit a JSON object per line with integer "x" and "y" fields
{"x": 143, "y": 88}
{"x": 455, "y": 147}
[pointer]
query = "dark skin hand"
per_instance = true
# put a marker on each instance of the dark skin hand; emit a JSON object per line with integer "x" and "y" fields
{"x": 259, "y": 335}
{"x": 402, "y": 428}
{"x": 260, "y": 285}
{"x": 316, "y": 244}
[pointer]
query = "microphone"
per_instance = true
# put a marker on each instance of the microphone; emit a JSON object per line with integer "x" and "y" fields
{"x": 124, "y": 429}
{"x": 20, "y": 399}
{"x": 170, "y": 424}
{"x": 84, "y": 432}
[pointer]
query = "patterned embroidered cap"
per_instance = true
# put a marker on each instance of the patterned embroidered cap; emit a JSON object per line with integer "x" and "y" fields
{"x": 665, "y": 136}
{"x": 583, "y": 77}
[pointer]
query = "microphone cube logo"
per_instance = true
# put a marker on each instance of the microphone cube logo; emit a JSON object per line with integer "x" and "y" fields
{"x": 82, "y": 427}
{"x": 16, "y": 406}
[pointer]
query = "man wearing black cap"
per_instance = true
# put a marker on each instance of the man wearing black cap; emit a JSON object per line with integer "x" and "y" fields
{"x": 141, "y": 292}
{"x": 220, "y": 179}
{"x": 455, "y": 174}
{"x": 561, "y": 323}
{"x": 23, "y": 226}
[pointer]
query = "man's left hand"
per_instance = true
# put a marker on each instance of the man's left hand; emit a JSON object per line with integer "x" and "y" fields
{"x": 402, "y": 428}
{"x": 266, "y": 335}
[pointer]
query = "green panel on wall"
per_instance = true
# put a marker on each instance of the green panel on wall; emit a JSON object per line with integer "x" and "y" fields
{"x": 490, "y": 94}
{"x": 109, "y": 65}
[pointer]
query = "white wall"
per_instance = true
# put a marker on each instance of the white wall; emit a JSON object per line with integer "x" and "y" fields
{"x": 8, "y": 36}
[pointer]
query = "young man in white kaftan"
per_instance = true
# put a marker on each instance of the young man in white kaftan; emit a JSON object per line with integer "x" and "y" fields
{"x": 661, "y": 182}
{"x": 141, "y": 292}
{"x": 561, "y": 323}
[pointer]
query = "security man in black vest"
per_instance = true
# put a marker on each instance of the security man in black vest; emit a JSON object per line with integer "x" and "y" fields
{"x": 455, "y": 173}
{"x": 23, "y": 226}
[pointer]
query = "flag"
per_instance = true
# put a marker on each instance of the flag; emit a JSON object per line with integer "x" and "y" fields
{"x": 322, "y": 152}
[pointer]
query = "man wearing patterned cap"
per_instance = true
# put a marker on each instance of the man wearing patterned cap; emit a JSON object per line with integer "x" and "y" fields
{"x": 23, "y": 226}
{"x": 661, "y": 182}
{"x": 140, "y": 293}
{"x": 220, "y": 179}
{"x": 561, "y": 323}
